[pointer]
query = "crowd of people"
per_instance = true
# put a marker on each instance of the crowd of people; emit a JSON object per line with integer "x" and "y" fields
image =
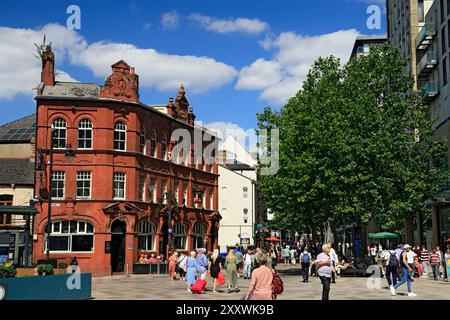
{"x": 326, "y": 261}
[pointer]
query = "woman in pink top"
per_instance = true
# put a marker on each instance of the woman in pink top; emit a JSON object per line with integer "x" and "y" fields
{"x": 260, "y": 287}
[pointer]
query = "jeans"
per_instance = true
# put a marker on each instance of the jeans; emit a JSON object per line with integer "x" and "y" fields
{"x": 248, "y": 270}
{"x": 436, "y": 271}
{"x": 406, "y": 277}
{"x": 305, "y": 271}
{"x": 391, "y": 272}
{"x": 425, "y": 267}
{"x": 326, "y": 281}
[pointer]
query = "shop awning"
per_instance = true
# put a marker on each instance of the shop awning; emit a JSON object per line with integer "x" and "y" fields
{"x": 24, "y": 210}
{"x": 383, "y": 235}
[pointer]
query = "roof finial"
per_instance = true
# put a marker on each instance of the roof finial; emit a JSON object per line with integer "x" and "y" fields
{"x": 181, "y": 90}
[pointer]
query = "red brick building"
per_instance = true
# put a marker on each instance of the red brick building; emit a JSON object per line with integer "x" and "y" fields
{"x": 111, "y": 170}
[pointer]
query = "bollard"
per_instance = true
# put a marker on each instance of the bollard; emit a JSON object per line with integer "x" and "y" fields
{"x": 127, "y": 271}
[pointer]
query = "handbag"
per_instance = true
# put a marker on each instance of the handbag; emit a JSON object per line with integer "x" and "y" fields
{"x": 220, "y": 279}
{"x": 277, "y": 285}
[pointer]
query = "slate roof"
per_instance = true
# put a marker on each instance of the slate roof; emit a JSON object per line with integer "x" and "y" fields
{"x": 236, "y": 165}
{"x": 72, "y": 90}
{"x": 20, "y": 130}
{"x": 16, "y": 171}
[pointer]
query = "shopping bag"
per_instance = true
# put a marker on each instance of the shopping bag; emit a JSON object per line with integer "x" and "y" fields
{"x": 220, "y": 279}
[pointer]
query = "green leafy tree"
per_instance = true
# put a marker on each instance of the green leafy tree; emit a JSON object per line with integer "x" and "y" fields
{"x": 356, "y": 143}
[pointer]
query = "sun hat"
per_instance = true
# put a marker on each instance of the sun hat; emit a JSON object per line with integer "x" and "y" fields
{"x": 406, "y": 246}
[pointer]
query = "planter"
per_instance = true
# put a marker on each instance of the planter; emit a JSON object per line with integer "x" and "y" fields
{"x": 56, "y": 287}
{"x": 141, "y": 268}
{"x": 24, "y": 272}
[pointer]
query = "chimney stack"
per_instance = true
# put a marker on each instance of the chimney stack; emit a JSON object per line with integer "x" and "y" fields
{"x": 48, "y": 66}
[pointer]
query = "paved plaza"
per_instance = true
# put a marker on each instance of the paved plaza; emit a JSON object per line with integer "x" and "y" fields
{"x": 150, "y": 287}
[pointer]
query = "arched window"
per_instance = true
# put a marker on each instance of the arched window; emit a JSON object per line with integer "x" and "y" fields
{"x": 245, "y": 192}
{"x": 85, "y": 134}
{"x": 146, "y": 236}
{"x": 120, "y": 136}
{"x": 153, "y": 144}
{"x": 179, "y": 237}
{"x": 163, "y": 147}
{"x": 199, "y": 235}
{"x": 71, "y": 236}
{"x": 59, "y": 127}
{"x": 143, "y": 140}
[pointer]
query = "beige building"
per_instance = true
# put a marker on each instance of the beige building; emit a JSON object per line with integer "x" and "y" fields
{"x": 17, "y": 167}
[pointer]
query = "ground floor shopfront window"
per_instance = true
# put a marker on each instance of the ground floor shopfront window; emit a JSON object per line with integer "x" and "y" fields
{"x": 71, "y": 236}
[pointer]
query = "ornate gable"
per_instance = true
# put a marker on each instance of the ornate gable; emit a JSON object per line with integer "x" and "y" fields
{"x": 122, "y": 84}
{"x": 182, "y": 111}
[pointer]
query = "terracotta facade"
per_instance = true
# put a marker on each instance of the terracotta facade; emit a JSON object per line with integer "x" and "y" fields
{"x": 118, "y": 100}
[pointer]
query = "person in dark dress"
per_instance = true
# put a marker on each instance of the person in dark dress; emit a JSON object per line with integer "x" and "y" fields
{"x": 215, "y": 267}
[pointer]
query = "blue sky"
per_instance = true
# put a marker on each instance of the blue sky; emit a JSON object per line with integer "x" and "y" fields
{"x": 234, "y": 57}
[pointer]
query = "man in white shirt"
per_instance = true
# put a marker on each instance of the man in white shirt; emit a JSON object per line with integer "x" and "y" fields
{"x": 325, "y": 270}
{"x": 248, "y": 258}
{"x": 335, "y": 262}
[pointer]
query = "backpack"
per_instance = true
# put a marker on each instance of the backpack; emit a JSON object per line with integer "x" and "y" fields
{"x": 306, "y": 258}
{"x": 393, "y": 261}
{"x": 277, "y": 285}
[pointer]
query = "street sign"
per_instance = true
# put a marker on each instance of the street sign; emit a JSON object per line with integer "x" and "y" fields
{"x": 107, "y": 246}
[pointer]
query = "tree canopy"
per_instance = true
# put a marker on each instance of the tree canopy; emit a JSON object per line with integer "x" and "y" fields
{"x": 356, "y": 142}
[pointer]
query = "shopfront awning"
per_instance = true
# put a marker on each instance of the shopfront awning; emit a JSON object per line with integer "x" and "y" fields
{"x": 23, "y": 210}
{"x": 383, "y": 235}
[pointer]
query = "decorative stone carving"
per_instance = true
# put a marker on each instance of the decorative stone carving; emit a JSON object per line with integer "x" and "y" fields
{"x": 122, "y": 84}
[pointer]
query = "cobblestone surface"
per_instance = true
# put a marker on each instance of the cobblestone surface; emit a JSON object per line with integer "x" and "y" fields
{"x": 150, "y": 287}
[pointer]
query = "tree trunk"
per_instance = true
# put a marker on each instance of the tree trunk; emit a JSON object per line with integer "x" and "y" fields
{"x": 409, "y": 230}
{"x": 419, "y": 228}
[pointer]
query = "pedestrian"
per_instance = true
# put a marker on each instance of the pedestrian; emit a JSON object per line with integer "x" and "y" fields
{"x": 191, "y": 265}
{"x": 373, "y": 252}
{"x": 286, "y": 254}
{"x": 335, "y": 261}
{"x": 173, "y": 259}
{"x": 305, "y": 260}
{"x": 441, "y": 262}
{"x": 248, "y": 259}
{"x": 239, "y": 258}
{"x": 392, "y": 265}
{"x": 260, "y": 287}
{"x": 293, "y": 256}
{"x": 325, "y": 270}
{"x": 412, "y": 259}
{"x": 202, "y": 264}
{"x": 74, "y": 264}
{"x": 424, "y": 260}
{"x": 407, "y": 272}
{"x": 231, "y": 269}
{"x": 215, "y": 267}
{"x": 182, "y": 266}
{"x": 435, "y": 263}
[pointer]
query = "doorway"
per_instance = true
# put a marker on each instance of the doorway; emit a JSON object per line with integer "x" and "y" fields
{"x": 118, "y": 231}
{"x": 164, "y": 240}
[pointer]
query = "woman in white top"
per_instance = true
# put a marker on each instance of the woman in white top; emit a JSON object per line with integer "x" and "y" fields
{"x": 182, "y": 266}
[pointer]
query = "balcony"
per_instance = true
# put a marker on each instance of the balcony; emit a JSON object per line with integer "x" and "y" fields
{"x": 426, "y": 36}
{"x": 427, "y": 64}
{"x": 430, "y": 90}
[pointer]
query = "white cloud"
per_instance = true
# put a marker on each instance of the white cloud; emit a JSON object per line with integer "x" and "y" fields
{"x": 158, "y": 70}
{"x": 261, "y": 74}
{"x": 238, "y": 25}
{"x": 170, "y": 20}
{"x": 21, "y": 70}
{"x": 246, "y": 138}
{"x": 293, "y": 55}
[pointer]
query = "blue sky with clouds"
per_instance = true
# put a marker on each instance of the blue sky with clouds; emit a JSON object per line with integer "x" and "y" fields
{"x": 234, "y": 57}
